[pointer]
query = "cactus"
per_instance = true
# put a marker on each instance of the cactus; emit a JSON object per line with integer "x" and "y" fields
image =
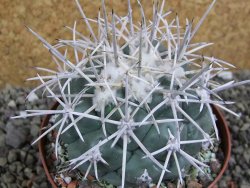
{"x": 134, "y": 100}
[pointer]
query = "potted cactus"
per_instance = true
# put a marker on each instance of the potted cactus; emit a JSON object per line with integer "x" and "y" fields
{"x": 134, "y": 102}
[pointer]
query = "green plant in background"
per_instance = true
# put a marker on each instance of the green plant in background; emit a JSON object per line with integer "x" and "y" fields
{"x": 134, "y": 100}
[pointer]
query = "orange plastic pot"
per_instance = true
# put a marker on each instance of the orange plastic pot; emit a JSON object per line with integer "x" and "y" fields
{"x": 222, "y": 126}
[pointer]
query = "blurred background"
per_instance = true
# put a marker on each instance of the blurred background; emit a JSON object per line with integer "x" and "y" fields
{"x": 227, "y": 26}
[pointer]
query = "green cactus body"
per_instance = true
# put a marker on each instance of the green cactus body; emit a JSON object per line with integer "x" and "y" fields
{"x": 148, "y": 135}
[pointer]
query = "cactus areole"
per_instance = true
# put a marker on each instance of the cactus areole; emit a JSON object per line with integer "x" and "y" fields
{"x": 134, "y": 99}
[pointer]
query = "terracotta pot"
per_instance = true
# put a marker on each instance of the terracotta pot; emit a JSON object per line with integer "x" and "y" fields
{"x": 223, "y": 133}
{"x": 41, "y": 147}
{"x": 225, "y": 137}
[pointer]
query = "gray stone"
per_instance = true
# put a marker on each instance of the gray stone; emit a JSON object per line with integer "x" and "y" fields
{"x": 245, "y": 127}
{"x": 24, "y": 183}
{"x": 12, "y": 185}
{"x": 20, "y": 100}
{"x": 36, "y": 121}
{"x": 223, "y": 184}
{"x": 44, "y": 185}
{"x": 248, "y": 172}
{"x": 16, "y": 137}
{"x": 39, "y": 170}
{"x": 28, "y": 173}
{"x": 240, "y": 106}
{"x": 20, "y": 167}
{"x": 12, "y": 168}
{"x": 23, "y": 154}
{"x": 2, "y": 138}
{"x": 39, "y": 179}
{"x": 235, "y": 129}
{"x": 245, "y": 186}
{"x": 239, "y": 149}
{"x": 238, "y": 169}
{"x": 35, "y": 185}
{"x": 1, "y": 123}
{"x": 8, "y": 178}
{"x": 232, "y": 161}
{"x": 12, "y": 156}
{"x": 4, "y": 152}
{"x": 246, "y": 155}
{"x": 3, "y": 161}
{"x": 3, "y": 185}
{"x": 29, "y": 160}
{"x": 21, "y": 175}
{"x": 17, "y": 122}
{"x": 34, "y": 130}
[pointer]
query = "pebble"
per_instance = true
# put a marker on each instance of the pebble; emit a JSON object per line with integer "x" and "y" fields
{"x": 12, "y": 168}
{"x": 2, "y": 138}
{"x": 32, "y": 97}
{"x": 44, "y": 185}
{"x": 223, "y": 184}
{"x": 246, "y": 155}
{"x": 22, "y": 155}
{"x": 16, "y": 137}
{"x": 3, "y": 185}
{"x": 12, "y": 104}
{"x": 20, "y": 100}
{"x": 28, "y": 173}
{"x": 4, "y": 152}
{"x": 239, "y": 149}
{"x": 39, "y": 169}
{"x": 20, "y": 167}
{"x": 245, "y": 127}
{"x": 24, "y": 183}
{"x": 34, "y": 130}
{"x": 3, "y": 161}
{"x": 235, "y": 129}
{"x": 17, "y": 122}
{"x": 29, "y": 160}
{"x": 35, "y": 185}
{"x": 12, "y": 156}
{"x": 8, "y": 178}
{"x": 245, "y": 186}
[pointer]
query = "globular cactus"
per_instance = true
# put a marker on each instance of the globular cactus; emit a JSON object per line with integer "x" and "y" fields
{"x": 134, "y": 100}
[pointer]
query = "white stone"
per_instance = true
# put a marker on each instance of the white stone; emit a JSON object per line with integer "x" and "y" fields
{"x": 12, "y": 104}
{"x": 67, "y": 179}
{"x": 32, "y": 97}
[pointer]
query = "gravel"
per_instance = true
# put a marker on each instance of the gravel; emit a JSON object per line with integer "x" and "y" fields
{"x": 21, "y": 167}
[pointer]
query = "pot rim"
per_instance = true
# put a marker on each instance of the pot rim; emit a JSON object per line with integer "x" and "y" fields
{"x": 223, "y": 132}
